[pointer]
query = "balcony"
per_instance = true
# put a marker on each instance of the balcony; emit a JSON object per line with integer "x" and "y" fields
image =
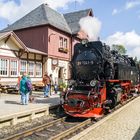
{"x": 64, "y": 50}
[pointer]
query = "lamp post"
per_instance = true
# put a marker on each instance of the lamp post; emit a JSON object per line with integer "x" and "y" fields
{"x": 50, "y": 36}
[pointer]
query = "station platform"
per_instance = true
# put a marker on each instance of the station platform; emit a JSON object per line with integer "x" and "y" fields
{"x": 12, "y": 112}
{"x": 123, "y": 124}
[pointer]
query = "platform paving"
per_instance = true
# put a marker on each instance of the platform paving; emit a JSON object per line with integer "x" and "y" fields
{"x": 10, "y": 104}
{"x": 124, "y": 124}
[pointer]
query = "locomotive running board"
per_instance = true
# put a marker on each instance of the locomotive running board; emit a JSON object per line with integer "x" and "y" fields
{"x": 96, "y": 112}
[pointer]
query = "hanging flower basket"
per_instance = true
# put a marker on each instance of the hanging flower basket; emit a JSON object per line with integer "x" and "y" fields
{"x": 64, "y": 50}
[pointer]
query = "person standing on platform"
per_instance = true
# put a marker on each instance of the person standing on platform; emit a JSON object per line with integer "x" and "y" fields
{"x": 46, "y": 82}
{"x": 55, "y": 88}
{"x": 18, "y": 86}
{"x": 24, "y": 90}
{"x": 51, "y": 83}
{"x": 29, "y": 87}
{"x": 18, "y": 83}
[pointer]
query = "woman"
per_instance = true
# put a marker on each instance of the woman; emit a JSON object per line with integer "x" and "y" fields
{"x": 24, "y": 90}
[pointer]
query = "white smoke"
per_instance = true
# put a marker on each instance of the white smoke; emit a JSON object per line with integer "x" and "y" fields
{"x": 91, "y": 26}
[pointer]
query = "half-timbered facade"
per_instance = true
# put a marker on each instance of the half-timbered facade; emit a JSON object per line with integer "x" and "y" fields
{"x": 16, "y": 58}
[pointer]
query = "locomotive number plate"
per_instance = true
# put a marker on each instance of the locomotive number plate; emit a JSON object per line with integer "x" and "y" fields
{"x": 88, "y": 62}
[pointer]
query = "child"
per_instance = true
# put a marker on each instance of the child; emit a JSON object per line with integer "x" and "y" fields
{"x": 29, "y": 86}
{"x": 55, "y": 88}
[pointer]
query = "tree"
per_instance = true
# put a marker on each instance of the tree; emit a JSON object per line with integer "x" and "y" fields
{"x": 120, "y": 48}
{"x": 136, "y": 59}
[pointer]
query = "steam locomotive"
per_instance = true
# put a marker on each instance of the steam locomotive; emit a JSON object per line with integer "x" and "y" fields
{"x": 103, "y": 78}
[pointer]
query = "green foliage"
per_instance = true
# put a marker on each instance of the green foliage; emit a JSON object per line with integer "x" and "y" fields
{"x": 120, "y": 48}
{"x": 62, "y": 85}
{"x": 136, "y": 59}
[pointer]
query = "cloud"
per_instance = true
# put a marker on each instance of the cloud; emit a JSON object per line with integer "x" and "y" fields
{"x": 12, "y": 11}
{"x": 127, "y": 6}
{"x": 115, "y": 11}
{"x": 91, "y": 26}
{"x": 130, "y": 40}
{"x": 132, "y": 4}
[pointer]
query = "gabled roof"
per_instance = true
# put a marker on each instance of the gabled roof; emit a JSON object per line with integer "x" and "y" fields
{"x": 42, "y": 15}
{"x": 13, "y": 36}
{"x": 74, "y": 18}
{"x": 4, "y": 34}
{"x": 21, "y": 45}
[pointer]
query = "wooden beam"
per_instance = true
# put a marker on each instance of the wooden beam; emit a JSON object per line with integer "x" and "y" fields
{"x": 7, "y": 39}
{"x": 21, "y": 52}
{"x": 15, "y": 52}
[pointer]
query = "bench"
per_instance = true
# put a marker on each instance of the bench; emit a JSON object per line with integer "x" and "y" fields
{"x": 12, "y": 90}
{"x": 8, "y": 89}
{"x": 0, "y": 89}
{"x": 38, "y": 86}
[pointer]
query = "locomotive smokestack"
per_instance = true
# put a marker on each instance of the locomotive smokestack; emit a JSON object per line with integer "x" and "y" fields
{"x": 90, "y": 28}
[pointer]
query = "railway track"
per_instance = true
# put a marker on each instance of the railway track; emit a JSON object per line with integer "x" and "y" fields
{"x": 55, "y": 130}
{"x": 60, "y": 129}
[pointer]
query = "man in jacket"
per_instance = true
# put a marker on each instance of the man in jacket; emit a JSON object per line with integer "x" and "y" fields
{"x": 46, "y": 82}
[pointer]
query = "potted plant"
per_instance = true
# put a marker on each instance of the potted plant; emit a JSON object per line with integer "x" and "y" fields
{"x": 65, "y": 50}
{"x": 62, "y": 86}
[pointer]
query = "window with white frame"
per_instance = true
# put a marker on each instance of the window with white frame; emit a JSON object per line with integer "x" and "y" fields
{"x": 23, "y": 67}
{"x": 65, "y": 43}
{"x": 60, "y": 42}
{"x": 38, "y": 69}
{"x": 31, "y": 69}
{"x": 13, "y": 67}
{"x": 3, "y": 67}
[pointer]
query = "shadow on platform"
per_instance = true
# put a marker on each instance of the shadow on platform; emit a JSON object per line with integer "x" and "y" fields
{"x": 12, "y": 102}
{"x": 47, "y": 100}
{"x": 137, "y": 135}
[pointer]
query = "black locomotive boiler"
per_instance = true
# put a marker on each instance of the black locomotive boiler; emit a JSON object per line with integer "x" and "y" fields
{"x": 95, "y": 60}
{"x": 102, "y": 77}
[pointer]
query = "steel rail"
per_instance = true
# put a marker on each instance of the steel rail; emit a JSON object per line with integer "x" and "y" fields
{"x": 71, "y": 130}
{"x": 32, "y": 130}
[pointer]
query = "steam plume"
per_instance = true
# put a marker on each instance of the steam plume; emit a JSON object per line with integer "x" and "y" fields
{"x": 90, "y": 26}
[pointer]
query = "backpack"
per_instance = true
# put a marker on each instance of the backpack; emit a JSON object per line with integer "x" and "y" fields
{"x": 29, "y": 85}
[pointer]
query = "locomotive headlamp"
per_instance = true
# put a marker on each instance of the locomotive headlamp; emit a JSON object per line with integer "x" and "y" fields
{"x": 84, "y": 41}
{"x": 93, "y": 83}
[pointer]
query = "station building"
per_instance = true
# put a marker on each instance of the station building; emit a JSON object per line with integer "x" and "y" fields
{"x": 52, "y": 34}
{"x": 16, "y": 58}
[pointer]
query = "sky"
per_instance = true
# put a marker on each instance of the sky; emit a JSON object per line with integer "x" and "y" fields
{"x": 119, "y": 19}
